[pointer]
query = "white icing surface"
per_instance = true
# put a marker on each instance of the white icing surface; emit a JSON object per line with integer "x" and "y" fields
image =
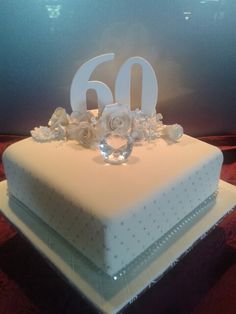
{"x": 112, "y": 213}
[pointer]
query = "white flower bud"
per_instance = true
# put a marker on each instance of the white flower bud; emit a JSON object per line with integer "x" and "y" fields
{"x": 174, "y": 132}
{"x": 59, "y": 117}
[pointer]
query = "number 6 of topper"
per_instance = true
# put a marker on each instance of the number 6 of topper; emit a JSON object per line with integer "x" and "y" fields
{"x": 81, "y": 84}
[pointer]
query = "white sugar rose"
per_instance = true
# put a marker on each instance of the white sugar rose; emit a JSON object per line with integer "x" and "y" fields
{"x": 71, "y": 131}
{"x": 83, "y": 132}
{"x": 116, "y": 118}
{"x": 60, "y": 132}
{"x": 59, "y": 117}
{"x": 76, "y": 116}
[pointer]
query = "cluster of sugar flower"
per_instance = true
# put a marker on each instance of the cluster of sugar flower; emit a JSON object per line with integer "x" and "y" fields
{"x": 88, "y": 129}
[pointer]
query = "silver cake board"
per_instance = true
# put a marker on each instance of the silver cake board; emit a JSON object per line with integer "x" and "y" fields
{"x": 110, "y": 295}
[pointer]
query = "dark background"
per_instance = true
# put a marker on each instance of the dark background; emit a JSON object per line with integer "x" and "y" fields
{"x": 190, "y": 43}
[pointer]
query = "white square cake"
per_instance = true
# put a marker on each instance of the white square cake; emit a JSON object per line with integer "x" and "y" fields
{"x": 112, "y": 213}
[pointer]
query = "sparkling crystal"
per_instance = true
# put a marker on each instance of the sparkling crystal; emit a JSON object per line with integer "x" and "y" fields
{"x": 116, "y": 148}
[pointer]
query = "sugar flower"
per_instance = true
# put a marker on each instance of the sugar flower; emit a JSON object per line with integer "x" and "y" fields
{"x": 59, "y": 117}
{"x": 116, "y": 118}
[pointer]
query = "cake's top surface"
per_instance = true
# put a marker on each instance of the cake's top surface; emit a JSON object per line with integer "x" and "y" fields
{"x": 109, "y": 190}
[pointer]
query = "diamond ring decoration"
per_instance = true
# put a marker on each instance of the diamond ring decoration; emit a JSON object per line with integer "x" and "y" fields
{"x": 116, "y": 148}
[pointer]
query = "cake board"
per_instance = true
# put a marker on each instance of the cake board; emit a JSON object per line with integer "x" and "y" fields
{"x": 110, "y": 295}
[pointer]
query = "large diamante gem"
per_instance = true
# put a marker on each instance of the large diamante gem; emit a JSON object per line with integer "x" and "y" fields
{"x": 116, "y": 148}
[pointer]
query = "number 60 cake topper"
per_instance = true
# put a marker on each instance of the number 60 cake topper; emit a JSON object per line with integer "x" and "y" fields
{"x": 81, "y": 84}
